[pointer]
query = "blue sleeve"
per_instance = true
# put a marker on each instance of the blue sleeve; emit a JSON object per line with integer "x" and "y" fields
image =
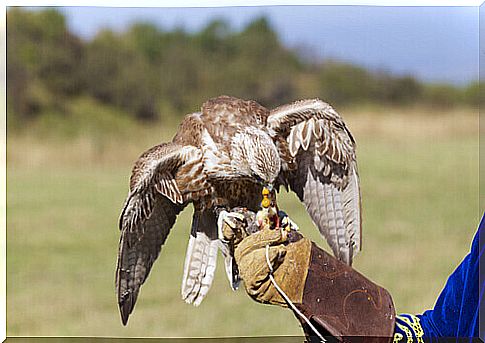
{"x": 456, "y": 311}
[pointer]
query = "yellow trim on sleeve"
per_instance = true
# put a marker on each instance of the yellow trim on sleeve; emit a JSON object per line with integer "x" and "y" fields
{"x": 407, "y": 331}
{"x": 412, "y": 322}
{"x": 397, "y": 337}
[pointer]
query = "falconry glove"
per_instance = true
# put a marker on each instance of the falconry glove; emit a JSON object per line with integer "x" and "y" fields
{"x": 337, "y": 299}
{"x": 289, "y": 263}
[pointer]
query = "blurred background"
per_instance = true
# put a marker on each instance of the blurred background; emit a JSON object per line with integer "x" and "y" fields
{"x": 89, "y": 89}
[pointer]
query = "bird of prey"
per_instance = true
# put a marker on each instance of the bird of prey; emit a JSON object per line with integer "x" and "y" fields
{"x": 220, "y": 158}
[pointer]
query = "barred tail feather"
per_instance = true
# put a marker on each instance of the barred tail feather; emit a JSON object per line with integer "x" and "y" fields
{"x": 201, "y": 259}
{"x": 199, "y": 268}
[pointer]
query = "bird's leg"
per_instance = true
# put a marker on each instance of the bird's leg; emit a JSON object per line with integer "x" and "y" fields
{"x": 233, "y": 221}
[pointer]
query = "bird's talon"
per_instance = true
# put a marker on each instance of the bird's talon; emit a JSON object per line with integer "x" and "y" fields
{"x": 230, "y": 222}
{"x": 237, "y": 215}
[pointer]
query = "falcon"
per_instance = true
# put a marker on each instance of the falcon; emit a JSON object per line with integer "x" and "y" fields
{"x": 221, "y": 158}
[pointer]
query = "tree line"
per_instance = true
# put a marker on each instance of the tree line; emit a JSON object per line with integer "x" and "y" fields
{"x": 148, "y": 72}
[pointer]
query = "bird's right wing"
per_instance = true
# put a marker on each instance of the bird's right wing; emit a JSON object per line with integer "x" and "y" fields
{"x": 157, "y": 194}
{"x": 319, "y": 164}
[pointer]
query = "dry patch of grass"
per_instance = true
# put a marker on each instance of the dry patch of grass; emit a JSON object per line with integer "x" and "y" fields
{"x": 399, "y": 125}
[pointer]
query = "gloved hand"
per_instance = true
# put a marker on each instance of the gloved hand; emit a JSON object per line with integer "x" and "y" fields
{"x": 289, "y": 262}
{"x": 337, "y": 299}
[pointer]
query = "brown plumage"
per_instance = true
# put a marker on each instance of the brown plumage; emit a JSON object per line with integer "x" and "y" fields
{"x": 221, "y": 158}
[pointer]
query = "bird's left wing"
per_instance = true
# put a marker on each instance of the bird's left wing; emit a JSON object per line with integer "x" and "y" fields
{"x": 156, "y": 197}
{"x": 318, "y": 163}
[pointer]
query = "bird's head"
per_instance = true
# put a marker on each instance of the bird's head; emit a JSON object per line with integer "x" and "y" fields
{"x": 255, "y": 156}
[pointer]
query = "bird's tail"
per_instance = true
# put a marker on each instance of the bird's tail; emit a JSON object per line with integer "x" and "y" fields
{"x": 201, "y": 258}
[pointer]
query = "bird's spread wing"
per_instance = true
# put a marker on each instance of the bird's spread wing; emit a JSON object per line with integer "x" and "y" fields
{"x": 149, "y": 212}
{"x": 319, "y": 164}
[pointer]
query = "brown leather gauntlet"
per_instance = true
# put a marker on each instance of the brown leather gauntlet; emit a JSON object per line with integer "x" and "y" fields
{"x": 338, "y": 300}
{"x": 344, "y": 303}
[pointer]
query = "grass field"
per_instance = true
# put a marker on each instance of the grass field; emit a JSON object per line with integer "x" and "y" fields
{"x": 419, "y": 178}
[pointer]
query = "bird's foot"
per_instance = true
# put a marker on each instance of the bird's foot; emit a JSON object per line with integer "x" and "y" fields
{"x": 227, "y": 218}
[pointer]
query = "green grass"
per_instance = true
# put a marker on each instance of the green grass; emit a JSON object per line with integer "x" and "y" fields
{"x": 419, "y": 180}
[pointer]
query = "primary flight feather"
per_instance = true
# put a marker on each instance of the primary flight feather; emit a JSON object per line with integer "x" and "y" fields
{"x": 221, "y": 158}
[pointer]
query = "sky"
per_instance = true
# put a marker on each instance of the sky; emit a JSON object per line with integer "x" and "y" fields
{"x": 436, "y": 44}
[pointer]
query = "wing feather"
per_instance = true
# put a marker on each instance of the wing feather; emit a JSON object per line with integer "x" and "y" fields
{"x": 148, "y": 214}
{"x": 326, "y": 178}
{"x": 137, "y": 254}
